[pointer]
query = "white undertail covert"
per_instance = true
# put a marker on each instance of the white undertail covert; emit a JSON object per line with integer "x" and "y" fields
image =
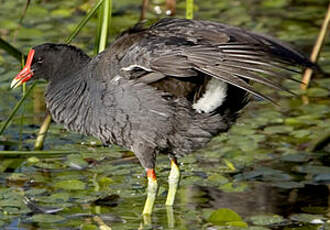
{"x": 213, "y": 97}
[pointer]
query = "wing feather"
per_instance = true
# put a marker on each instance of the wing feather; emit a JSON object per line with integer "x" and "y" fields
{"x": 185, "y": 48}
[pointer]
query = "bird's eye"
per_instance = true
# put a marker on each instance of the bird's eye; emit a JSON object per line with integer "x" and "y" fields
{"x": 39, "y": 60}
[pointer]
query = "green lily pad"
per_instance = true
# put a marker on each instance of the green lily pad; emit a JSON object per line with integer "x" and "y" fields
{"x": 104, "y": 182}
{"x": 29, "y": 33}
{"x": 315, "y": 209}
{"x": 61, "y": 13}
{"x": 257, "y": 228}
{"x": 7, "y": 193}
{"x": 275, "y": 3}
{"x": 59, "y": 197}
{"x": 315, "y": 109}
{"x": 217, "y": 179}
{"x": 35, "y": 191}
{"x": 258, "y": 137}
{"x": 49, "y": 165}
{"x": 318, "y": 92}
{"x": 18, "y": 177}
{"x": 89, "y": 227}
{"x": 240, "y": 224}
{"x": 323, "y": 82}
{"x": 288, "y": 184}
{"x": 322, "y": 177}
{"x": 32, "y": 160}
{"x": 313, "y": 169}
{"x": 300, "y": 133}
{"x": 234, "y": 187}
{"x": 264, "y": 173}
{"x": 37, "y": 11}
{"x": 294, "y": 121}
{"x": 8, "y": 24}
{"x": 70, "y": 185}
{"x": 242, "y": 130}
{"x": 13, "y": 202}
{"x": 306, "y": 218}
{"x": 296, "y": 157}
{"x": 45, "y": 218}
{"x": 278, "y": 129}
{"x": 76, "y": 161}
{"x": 266, "y": 219}
{"x": 14, "y": 211}
{"x": 226, "y": 217}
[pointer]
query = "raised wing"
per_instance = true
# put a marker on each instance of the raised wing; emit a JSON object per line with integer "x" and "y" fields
{"x": 182, "y": 48}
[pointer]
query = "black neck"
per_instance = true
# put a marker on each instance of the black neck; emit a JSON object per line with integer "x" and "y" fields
{"x": 69, "y": 102}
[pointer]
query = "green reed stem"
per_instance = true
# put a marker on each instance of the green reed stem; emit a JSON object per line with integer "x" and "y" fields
{"x": 189, "y": 9}
{"x": 17, "y": 106}
{"x": 83, "y": 22}
{"x": 39, "y": 143}
{"x": 29, "y": 153}
{"x": 16, "y": 53}
{"x": 98, "y": 31}
{"x": 106, "y": 18}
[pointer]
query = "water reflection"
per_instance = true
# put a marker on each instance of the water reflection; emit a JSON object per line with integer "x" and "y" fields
{"x": 261, "y": 198}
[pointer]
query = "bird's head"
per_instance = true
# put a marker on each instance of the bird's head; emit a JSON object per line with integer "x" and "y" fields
{"x": 50, "y": 61}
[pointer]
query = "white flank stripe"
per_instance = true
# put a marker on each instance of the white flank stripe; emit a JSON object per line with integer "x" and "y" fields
{"x": 214, "y": 96}
{"x": 116, "y": 78}
{"x": 131, "y": 67}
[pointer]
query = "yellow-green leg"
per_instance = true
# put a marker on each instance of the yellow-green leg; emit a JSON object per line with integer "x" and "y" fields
{"x": 173, "y": 181}
{"x": 151, "y": 192}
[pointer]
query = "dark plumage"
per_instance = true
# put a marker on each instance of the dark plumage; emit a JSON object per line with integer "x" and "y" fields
{"x": 142, "y": 93}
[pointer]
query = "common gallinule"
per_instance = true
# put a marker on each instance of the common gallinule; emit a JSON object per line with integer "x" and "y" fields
{"x": 166, "y": 89}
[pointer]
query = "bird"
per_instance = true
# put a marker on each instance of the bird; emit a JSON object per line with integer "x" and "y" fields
{"x": 165, "y": 89}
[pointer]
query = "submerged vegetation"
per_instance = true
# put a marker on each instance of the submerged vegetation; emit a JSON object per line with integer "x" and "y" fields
{"x": 270, "y": 170}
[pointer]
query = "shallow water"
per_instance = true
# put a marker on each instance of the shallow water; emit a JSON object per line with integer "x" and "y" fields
{"x": 263, "y": 174}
